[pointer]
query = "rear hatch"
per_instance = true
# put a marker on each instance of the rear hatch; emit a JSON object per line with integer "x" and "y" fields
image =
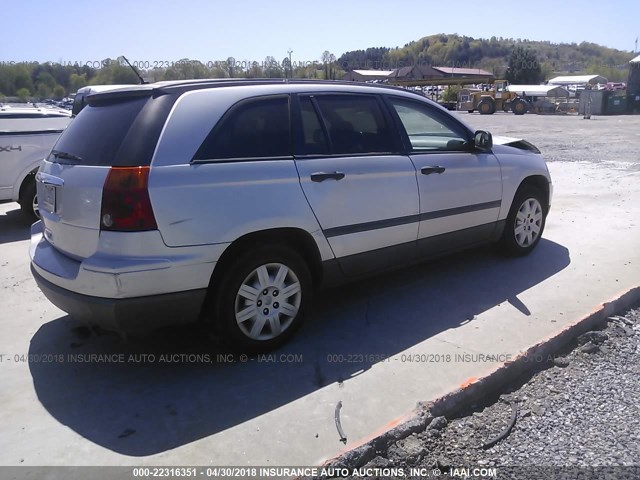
{"x": 113, "y": 130}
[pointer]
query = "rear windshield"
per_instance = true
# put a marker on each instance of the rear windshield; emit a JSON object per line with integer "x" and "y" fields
{"x": 96, "y": 135}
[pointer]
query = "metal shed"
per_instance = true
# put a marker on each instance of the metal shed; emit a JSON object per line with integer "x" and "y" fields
{"x": 578, "y": 80}
{"x": 367, "y": 75}
{"x": 539, "y": 90}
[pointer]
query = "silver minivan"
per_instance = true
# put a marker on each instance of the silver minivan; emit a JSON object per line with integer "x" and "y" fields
{"x": 230, "y": 201}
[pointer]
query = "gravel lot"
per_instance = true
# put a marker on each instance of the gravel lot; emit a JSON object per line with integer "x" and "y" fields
{"x": 604, "y": 140}
{"x": 581, "y": 410}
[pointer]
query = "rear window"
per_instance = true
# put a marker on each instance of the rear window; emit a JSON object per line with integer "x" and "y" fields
{"x": 356, "y": 124}
{"x": 96, "y": 135}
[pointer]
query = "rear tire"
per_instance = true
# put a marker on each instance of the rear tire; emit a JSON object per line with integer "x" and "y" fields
{"x": 525, "y": 222}
{"x": 486, "y": 107}
{"x": 29, "y": 199}
{"x": 262, "y": 299}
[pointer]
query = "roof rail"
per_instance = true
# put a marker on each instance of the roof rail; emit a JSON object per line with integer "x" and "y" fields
{"x": 229, "y": 82}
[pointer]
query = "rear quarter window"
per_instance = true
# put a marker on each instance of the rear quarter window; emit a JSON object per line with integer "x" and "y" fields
{"x": 254, "y": 128}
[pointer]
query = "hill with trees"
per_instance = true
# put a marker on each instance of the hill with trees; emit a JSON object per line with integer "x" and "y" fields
{"x": 503, "y": 57}
{"x": 446, "y": 50}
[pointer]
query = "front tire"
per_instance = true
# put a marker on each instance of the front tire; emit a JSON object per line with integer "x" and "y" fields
{"x": 525, "y": 222}
{"x": 519, "y": 107}
{"x": 263, "y": 298}
{"x": 486, "y": 106}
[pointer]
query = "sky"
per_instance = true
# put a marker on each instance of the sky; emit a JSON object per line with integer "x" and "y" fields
{"x": 164, "y": 31}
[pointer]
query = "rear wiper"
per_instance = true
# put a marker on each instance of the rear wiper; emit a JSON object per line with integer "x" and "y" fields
{"x": 65, "y": 155}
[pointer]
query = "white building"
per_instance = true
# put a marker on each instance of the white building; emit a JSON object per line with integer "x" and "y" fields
{"x": 580, "y": 80}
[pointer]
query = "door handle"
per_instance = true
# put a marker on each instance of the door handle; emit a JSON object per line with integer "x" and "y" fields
{"x": 433, "y": 169}
{"x": 322, "y": 176}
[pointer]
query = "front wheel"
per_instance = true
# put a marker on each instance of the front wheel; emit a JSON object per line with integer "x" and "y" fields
{"x": 525, "y": 222}
{"x": 519, "y": 107}
{"x": 486, "y": 106}
{"x": 263, "y": 298}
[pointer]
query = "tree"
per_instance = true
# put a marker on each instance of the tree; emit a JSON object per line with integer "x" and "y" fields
{"x": 23, "y": 80}
{"x": 113, "y": 73}
{"x": 523, "y": 68}
{"x": 286, "y": 65}
{"x": 58, "y": 92}
{"x": 46, "y": 79}
{"x": 43, "y": 91}
{"x": 231, "y": 67}
{"x": 23, "y": 93}
{"x": 271, "y": 68}
{"x": 255, "y": 71}
{"x": 329, "y": 61}
{"x": 76, "y": 81}
{"x": 186, "y": 69}
{"x": 451, "y": 93}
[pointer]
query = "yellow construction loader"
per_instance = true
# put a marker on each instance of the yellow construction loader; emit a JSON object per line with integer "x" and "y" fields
{"x": 490, "y": 100}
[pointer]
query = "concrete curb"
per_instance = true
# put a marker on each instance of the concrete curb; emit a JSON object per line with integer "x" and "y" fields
{"x": 476, "y": 389}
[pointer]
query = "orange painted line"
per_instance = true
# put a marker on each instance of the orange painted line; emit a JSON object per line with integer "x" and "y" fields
{"x": 468, "y": 382}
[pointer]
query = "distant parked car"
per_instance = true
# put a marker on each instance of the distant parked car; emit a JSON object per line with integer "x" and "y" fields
{"x": 612, "y": 86}
{"x": 230, "y": 201}
{"x": 575, "y": 90}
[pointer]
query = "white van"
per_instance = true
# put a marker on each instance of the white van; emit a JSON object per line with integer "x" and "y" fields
{"x": 80, "y": 100}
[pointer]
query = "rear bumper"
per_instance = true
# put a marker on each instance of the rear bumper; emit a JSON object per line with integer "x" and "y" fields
{"x": 131, "y": 315}
{"x": 127, "y": 293}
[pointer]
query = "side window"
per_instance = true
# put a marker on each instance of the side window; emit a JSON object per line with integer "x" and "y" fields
{"x": 356, "y": 124}
{"x": 313, "y": 139}
{"x": 425, "y": 130}
{"x": 254, "y": 129}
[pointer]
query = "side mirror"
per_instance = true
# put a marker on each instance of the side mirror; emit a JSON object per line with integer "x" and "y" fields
{"x": 483, "y": 141}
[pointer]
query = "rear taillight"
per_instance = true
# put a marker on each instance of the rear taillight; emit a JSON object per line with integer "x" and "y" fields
{"x": 126, "y": 206}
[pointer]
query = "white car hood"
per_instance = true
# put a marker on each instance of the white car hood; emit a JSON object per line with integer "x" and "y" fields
{"x": 516, "y": 143}
{"x": 499, "y": 140}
